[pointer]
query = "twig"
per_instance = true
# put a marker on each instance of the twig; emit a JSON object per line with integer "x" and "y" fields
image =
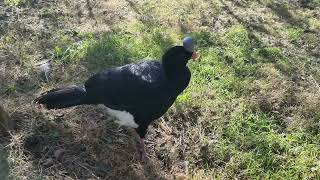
{"x": 315, "y": 81}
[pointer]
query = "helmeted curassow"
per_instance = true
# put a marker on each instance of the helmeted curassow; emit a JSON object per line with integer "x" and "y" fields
{"x": 136, "y": 94}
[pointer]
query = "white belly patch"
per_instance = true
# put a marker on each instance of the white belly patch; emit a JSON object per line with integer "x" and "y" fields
{"x": 124, "y": 118}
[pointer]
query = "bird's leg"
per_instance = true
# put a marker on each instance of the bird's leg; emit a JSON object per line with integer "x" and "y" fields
{"x": 144, "y": 156}
{"x": 141, "y": 147}
{"x": 141, "y": 132}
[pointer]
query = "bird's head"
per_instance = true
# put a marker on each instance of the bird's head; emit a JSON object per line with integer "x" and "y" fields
{"x": 178, "y": 56}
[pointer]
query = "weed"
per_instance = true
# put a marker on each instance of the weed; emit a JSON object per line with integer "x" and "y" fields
{"x": 17, "y": 2}
{"x": 294, "y": 34}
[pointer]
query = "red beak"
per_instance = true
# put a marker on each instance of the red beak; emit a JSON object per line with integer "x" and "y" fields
{"x": 194, "y": 55}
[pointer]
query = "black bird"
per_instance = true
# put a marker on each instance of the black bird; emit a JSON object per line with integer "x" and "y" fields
{"x": 136, "y": 94}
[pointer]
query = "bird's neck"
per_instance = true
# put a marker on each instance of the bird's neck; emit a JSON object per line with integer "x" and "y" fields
{"x": 178, "y": 78}
{"x": 172, "y": 71}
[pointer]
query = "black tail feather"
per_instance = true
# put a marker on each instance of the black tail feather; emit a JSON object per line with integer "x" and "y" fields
{"x": 62, "y": 97}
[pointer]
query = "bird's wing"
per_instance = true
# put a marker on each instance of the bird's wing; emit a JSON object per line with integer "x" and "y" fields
{"x": 128, "y": 86}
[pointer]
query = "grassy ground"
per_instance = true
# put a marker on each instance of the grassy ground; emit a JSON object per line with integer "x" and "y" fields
{"x": 250, "y": 112}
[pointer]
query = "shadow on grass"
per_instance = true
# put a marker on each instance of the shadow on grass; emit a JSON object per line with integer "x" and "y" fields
{"x": 282, "y": 11}
{"x": 3, "y": 23}
{"x": 251, "y": 27}
{"x": 83, "y": 145}
{"x": 115, "y": 49}
{"x": 4, "y": 165}
{"x": 107, "y": 50}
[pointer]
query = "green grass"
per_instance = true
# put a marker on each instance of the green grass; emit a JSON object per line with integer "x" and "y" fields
{"x": 17, "y": 2}
{"x": 294, "y": 34}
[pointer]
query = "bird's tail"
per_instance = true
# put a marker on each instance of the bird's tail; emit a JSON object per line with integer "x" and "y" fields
{"x": 62, "y": 97}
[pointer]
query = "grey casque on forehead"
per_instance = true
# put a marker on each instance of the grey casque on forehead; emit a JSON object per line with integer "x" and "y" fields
{"x": 189, "y": 44}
